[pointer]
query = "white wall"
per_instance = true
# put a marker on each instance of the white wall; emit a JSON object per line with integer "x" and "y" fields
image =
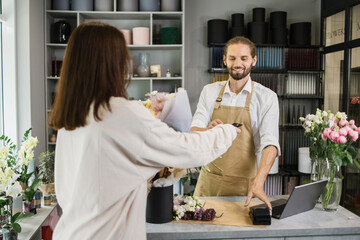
{"x": 198, "y": 12}
{"x": 30, "y": 70}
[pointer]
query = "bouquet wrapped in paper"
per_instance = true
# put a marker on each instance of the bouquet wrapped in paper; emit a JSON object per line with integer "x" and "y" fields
{"x": 174, "y": 110}
{"x": 171, "y": 108}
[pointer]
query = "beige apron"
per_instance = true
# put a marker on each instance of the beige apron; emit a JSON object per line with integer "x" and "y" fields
{"x": 233, "y": 173}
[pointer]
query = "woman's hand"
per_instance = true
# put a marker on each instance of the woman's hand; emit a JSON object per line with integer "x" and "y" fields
{"x": 215, "y": 122}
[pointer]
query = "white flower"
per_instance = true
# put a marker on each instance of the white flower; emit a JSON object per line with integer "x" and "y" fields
{"x": 14, "y": 190}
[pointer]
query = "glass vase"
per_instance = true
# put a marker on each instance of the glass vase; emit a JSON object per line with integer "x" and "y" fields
{"x": 317, "y": 169}
{"x": 330, "y": 198}
{"x": 143, "y": 69}
{"x": 9, "y": 234}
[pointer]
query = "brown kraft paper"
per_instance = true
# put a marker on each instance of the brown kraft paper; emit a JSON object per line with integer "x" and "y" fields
{"x": 234, "y": 214}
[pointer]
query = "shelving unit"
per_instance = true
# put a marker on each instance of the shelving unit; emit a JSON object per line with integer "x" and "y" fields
{"x": 299, "y": 88}
{"x": 168, "y": 56}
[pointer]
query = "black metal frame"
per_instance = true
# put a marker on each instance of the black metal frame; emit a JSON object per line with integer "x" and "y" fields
{"x": 328, "y": 8}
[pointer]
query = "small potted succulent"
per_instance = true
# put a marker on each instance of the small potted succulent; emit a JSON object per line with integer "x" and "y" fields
{"x": 28, "y": 203}
{"x": 46, "y": 172}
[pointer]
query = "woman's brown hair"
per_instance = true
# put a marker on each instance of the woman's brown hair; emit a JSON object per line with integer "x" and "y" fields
{"x": 95, "y": 68}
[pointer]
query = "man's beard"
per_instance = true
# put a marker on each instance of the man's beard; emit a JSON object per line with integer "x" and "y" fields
{"x": 239, "y": 76}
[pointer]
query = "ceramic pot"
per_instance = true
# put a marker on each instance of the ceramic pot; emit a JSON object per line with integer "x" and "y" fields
{"x": 60, "y": 5}
{"x": 159, "y": 206}
{"x": 127, "y": 5}
{"x": 149, "y": 5}
{"x": 27, "y": 207}
{"x": 141, "y": 36}
{"x": 82, "y": 5}
{"x": 170, "y": 5}
{"x": 103, "y": 5}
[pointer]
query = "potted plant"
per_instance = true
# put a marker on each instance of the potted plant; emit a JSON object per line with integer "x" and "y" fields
{"x": 28, "y": 203}
{"x": 10, "y": 223}
{"x": 46, "y": 172}
{"x": 13, "y": 169}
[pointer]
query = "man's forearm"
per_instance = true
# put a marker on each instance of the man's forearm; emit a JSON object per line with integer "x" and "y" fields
{"x": 268, "y": 156}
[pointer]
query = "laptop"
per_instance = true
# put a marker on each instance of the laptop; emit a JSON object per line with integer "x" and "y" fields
{"x": 303, "y": 198}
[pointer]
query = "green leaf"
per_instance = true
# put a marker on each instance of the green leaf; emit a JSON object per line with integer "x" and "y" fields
{"x": 337, "y": 160}
{"x": 352, "y": 151}
{"x": 16, "y": 227}
{"x": 23, "y": 216}
{"x": 356, "y": 163}
{"x": 14, "y": 217}
{"x": 35, "y": 184}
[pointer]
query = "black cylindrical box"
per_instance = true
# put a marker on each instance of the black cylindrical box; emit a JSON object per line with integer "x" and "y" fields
{"x": 217, "y": 31}
{"x": 278, "y": 19}
{"x": 258, "y": 32}
{"x": 237, "y": 31}
{"x": 237, "y": 20}
{"x": 278, "y": 35}
{"x": 300, "y": 34}
{"x": 258, "y": 14}
{"x": 159, "y": 205}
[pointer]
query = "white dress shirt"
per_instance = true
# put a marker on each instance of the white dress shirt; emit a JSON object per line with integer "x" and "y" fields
{"x": 264, "y": 111}
{"x": 102, "y": 169}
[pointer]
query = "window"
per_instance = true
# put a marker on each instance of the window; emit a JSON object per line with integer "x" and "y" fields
{"x": 334, "y": 65}
{"x": 335, "y": 29}
{"x": 355, "y": 22}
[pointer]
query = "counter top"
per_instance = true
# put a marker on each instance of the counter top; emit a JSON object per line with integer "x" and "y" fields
{"x": 316, "y": 222}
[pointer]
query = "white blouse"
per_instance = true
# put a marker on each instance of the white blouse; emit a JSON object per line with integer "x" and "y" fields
{"x": 102, "y": 169}
{"x": 264, "y": 111}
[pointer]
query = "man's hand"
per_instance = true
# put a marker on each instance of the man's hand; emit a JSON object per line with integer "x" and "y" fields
{"x": 215, "y": 122}
{"x": 258, "y": 192}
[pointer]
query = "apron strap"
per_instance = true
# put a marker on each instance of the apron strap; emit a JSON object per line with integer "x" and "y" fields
{"x": 248, "y": 98}
{"x": 219, "y": 98}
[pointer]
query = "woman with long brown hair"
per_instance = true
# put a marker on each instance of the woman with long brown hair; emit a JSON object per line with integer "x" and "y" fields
{"x": 109, "y": 147}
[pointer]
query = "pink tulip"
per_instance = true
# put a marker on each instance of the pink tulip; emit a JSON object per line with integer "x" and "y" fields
{"x": 326, "y": 133}
{"x": 343, "y": 122}
{"x": 352, "y": 122}
{"x": 347, "y": 128}
{"x": 334, "y": 136}
{"x": 343, "y": 132}
{"x": 354, "y": 135}
{"x": 353, "y": 127}
{"x": 341, "y": 140}
{"x": 324, "y": 137}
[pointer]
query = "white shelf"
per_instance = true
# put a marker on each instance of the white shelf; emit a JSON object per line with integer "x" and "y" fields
{"x": 168, "y": 56}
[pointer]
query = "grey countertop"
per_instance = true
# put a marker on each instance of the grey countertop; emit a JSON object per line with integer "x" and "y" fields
{"x": 341, "y": 224}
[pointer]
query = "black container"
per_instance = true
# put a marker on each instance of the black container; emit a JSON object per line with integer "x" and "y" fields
{"x": 217, "y": 31}
{"x": 300, "y": 34}
{"x": 278, "y": 19}
{"x": 258, "y": 32}
{"x": 159, "y": 206}
{"x": 237, "y": 20}
{"x": 279, "y": 36}
{"x": 60, "y": 32}
{"x": 237, "y": 31}
{"x": 258, "y": 14}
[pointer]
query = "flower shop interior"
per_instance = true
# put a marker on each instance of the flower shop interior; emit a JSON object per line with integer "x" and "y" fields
{"x": 308, "y": 54}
